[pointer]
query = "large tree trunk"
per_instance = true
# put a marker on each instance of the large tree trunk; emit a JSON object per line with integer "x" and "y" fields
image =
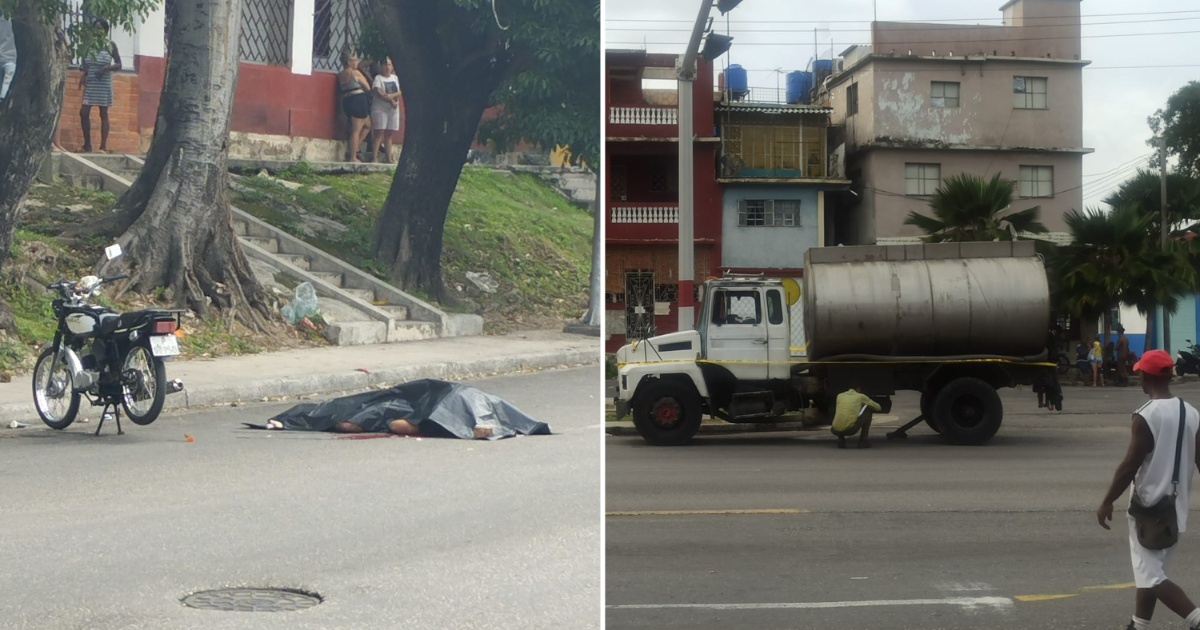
{"x": 28, "y": 118}
{"x": 447, "y": 75}
{"x": 178, "y": 232}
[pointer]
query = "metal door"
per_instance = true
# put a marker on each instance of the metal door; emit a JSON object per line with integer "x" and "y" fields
{"x": 737, "y": 332}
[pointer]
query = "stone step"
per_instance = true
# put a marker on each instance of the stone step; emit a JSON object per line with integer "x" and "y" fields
{"x": 89, "y": 182}
{"x": 240, "y": 227}
{"x": 356, "y": 333}
{"x": 399, "y": 313}
{"x": 298, "y": 260}
{"x": 332, "y": 277}
{"x": 364, "y": 294}
{"x": 269, "y": 244}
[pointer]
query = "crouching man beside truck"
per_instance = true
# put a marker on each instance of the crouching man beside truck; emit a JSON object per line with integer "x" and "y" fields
{"x": 854, "y": 412}
{"x": 953, "y": 321}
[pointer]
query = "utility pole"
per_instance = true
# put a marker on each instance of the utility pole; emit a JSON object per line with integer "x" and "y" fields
{"x": 685, "y": 74}
{"x": 1162, "y": 192}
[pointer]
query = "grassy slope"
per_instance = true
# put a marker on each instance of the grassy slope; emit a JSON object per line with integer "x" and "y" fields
{"x": 525, "y": 235}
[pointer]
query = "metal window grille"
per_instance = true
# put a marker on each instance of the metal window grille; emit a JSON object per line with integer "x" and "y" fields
{"x": 618, "y": 186}
{"x": 337, "y": 26}
{"x": 639, "y": 305}
{"x": 769, "y": 213}
{"x": 266, "y": 31}
{"x": 1036, "y": 181}
{"x": 922, "y": 179}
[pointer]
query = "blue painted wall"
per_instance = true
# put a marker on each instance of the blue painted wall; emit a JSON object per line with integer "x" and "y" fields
{"x": 770, "y": 247}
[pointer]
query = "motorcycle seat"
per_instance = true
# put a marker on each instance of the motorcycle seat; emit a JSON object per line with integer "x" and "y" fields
{"x": 135, "y": 318}
{"x": 108, "y": 323}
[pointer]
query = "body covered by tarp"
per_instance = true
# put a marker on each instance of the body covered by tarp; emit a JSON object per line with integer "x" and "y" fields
{"x": 438, "y": 408}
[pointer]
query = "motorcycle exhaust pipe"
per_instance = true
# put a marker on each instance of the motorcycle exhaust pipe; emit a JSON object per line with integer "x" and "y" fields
{"x": 174, "y": 386}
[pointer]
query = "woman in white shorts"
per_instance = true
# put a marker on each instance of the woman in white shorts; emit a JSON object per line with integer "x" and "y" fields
{"x": 385, "y": 110}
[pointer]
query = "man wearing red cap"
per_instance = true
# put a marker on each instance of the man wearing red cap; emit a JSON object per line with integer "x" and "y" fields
{"x": 1149, "y": 466}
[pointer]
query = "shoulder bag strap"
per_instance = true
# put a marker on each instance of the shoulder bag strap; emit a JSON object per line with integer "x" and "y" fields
{"x": 1178, "y": 447}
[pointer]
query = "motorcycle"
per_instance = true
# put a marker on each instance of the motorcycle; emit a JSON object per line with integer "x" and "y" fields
{"x": 116, "y": 360}
{"x": 1189, "y": 360}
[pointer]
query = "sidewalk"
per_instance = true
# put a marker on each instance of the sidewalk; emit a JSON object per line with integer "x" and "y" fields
{"x": 335, "y": 369}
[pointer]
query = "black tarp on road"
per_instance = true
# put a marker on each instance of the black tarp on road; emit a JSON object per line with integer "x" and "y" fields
{"x": 438, "y": 408}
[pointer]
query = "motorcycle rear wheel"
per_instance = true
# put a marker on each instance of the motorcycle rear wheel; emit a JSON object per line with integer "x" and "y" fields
{"x": 52, "y": 391}
{"x": 143, "y": 400}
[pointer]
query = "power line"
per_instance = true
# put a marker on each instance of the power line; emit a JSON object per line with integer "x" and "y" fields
{"x": 869, "y": 30}
{"x": 1121, "y": 165}
{"x": 931, "y": 41}
{"x": 925, "y": 21}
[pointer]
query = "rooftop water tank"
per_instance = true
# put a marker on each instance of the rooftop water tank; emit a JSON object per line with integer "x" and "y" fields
{"x": 799, "y": 84}
{"x": 736, "y": 80}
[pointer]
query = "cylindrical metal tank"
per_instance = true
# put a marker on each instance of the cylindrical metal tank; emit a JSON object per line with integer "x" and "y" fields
{"x": 737, "y": 80}
{"x": 933, "y": 307}
{"x": 799, "y": 84}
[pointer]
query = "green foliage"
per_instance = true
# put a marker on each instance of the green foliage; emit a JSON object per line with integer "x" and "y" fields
{"x": 969, "y": 208}
{"x": 1114, "y": 258}
{"x": 553, "y": 97}
{"x": 82, "y": 36}
{"x": 1144, "y": 192}
{"x": 1179, "y": 124}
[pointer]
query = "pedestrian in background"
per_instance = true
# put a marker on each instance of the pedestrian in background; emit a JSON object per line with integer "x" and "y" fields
{"x": 1124, "y": 356}
{"x": 385, "y": 109}
{"x": 356, "y": 102}
{"x": 1096, "y": 359}
{"x": 1148, "y": 469}
{"x": 8, "y": 56}
{"x": 96, "y": 80}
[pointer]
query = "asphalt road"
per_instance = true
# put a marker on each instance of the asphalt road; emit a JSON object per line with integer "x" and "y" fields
{"x": 111, "y": 532}
{"x": 785, "y": 531}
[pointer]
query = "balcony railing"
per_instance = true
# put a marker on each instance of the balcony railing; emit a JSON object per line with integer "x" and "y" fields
{"x": 643, "y": 115}
{"x": 645, "y": 214}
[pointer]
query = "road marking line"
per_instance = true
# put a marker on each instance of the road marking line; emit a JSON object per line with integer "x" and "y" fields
{"x": 1048, "y": 597}
{"x": 700, "y": 512}
{"x": 1105, "y": 587}
{"x": 1042, "y": 598}
{"x": 964, "y": 602}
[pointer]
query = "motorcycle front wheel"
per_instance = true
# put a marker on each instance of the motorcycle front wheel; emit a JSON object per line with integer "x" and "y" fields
{"x": 53, "y": 395}
{"x": 144, "y": 385}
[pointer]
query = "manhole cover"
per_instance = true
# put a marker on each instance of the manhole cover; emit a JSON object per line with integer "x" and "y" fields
{"x": 252, "y": 599}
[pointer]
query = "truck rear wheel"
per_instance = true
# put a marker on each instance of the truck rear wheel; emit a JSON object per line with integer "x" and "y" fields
{"x": 667, "y": 413}
{"x": 968, "y": 411}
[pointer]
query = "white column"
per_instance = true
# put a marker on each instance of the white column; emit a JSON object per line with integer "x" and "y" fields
{"x": 302, "y": 36}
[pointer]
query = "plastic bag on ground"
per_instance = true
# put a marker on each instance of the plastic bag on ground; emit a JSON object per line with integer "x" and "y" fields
{"x": 303, "y": 304}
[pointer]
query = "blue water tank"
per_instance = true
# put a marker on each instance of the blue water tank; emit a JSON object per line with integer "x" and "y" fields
{"x": 799, "y": 84}
{"x": 736, "y": 80}
{"x": 823, "y": 67}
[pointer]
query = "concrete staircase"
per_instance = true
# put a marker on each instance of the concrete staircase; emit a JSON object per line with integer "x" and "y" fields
{"x": 358, "y": 308}
{"x": 576, "y": 184}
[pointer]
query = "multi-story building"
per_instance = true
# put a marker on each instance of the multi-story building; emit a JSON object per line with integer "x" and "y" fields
{"x": 927, "y": 101}
{"x": 642, "y": 201}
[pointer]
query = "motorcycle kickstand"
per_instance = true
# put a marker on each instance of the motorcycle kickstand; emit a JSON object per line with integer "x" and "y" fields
{"x": 104, "y": 414}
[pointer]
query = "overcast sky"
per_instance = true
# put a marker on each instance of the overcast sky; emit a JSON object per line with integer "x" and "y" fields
{"x": 1138, "y": 59}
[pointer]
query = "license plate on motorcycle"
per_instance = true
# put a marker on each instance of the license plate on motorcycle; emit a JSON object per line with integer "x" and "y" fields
{"x": 164, "y": 345}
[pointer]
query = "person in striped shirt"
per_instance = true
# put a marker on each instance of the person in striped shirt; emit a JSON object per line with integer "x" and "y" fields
{"x": 96, "y": 80}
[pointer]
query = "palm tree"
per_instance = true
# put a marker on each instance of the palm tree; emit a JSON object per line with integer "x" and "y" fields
{"x": 1144, "y": 191}
{"x": 1114, "y": 258}
{"x": 969, "y": 208}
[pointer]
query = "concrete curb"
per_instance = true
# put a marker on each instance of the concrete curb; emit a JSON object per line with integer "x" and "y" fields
{"x": 257, "y": 390}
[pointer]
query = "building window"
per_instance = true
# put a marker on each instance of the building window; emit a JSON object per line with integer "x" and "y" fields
{"x": 852, "y": 99}
{"x": 337, "y": 26}
{"x": 266, "y": 31}
{"x": 769, "y": 213}
{"x": 1036, "y": 181}
{"x": 660, "y": 178}
{"x": 943, "y": 94}
{"x": 1029, "y": 92}
{"x": 922, "y": 179}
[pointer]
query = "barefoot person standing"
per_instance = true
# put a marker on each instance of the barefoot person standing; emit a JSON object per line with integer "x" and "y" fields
{"x": 96, "y": 80}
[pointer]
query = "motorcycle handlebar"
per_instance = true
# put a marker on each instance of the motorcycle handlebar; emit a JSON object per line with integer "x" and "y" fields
{"x": 120, "y": 276}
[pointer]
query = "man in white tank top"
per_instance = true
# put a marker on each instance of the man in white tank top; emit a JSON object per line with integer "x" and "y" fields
{"x": 1148, "y": 467}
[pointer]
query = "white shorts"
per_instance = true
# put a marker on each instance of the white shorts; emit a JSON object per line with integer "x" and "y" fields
{"x": 1149, "y": 565}
{"x": 385, "y": 119}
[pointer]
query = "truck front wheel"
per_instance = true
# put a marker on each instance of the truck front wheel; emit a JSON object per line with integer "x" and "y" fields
{"x": 968, "y": 411}
{"x": 667, "y": 413}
